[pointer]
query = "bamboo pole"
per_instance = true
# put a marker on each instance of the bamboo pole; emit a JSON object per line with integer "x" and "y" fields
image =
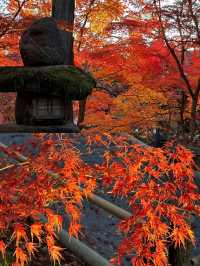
{"x": 21, "y": 158}
{"x": 109, "y": 207}
{"x": 7, "y": 167}
{"x": 81, "y": 250}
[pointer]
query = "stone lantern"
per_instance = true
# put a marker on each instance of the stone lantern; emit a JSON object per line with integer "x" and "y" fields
{"x": 44, "y": 85}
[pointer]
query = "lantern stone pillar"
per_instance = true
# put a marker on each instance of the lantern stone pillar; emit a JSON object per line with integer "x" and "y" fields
{"x": 63, "y": 10}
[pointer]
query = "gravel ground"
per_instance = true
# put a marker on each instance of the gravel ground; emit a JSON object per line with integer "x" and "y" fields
{"x": 100, "y": 231}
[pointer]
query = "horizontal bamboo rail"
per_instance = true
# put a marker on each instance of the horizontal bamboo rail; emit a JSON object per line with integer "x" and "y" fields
{"x": 7, "y": 167}
{"x": 21, "y": 158}
{"x": 81, "y": 250}
{"x": 104, "y": 204}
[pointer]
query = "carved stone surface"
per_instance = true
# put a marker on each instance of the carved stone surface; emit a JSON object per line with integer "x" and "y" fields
{"x": 32, "y": 109}
{"x": 42, "y": 44}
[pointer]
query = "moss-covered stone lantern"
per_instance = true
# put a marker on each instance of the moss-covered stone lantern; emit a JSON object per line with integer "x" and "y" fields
{"x": 44, "y": 85}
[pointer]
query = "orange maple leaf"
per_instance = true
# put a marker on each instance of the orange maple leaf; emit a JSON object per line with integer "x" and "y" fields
{"x": 36, "y": 230}
{"x": 19, "y": 233}
{"x": 2, "y": 248}
{"x": 21, "y": 256}
{"x": 55, "y": 255}
{"x": 31, "y": 247}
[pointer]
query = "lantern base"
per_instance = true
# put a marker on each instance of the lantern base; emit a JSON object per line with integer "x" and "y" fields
{"x": 14, "y": 128}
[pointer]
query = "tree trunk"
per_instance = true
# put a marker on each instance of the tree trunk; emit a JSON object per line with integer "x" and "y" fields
{"x": 195, "y": 99}
{"x": 182, "y": 107}
{"x": 180, "y": 256}
{"x": 193, "y": 114}
{"x": 64, "y": 10}
{"x": 169, "y": 116}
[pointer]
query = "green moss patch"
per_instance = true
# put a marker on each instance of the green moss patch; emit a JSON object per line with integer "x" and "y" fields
{"x": 52, "y": 80}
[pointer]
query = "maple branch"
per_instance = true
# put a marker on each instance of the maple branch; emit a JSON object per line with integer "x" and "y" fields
{"x": 195, "y": 20}
{"x": 20, "y": 6}
{"x": 172, "y": 51}
{"x": 182, "y": 42}
{"x": 84, "y": 24}
{"x": 197, "y": 91}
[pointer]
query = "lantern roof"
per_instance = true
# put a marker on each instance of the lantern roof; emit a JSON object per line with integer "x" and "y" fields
{"x": 60, "y": 80}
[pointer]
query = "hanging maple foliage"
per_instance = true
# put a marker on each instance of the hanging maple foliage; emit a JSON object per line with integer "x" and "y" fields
{"x": 162, "y": 194}
{"x": 34, "y": 178}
